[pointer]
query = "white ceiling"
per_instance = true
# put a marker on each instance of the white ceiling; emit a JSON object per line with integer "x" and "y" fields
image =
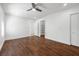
{"x": 20, "y": 9}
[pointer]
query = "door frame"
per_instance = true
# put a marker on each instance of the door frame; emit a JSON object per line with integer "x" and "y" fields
{"x": 39, "y": 28}
{"x": 70, "y": 26}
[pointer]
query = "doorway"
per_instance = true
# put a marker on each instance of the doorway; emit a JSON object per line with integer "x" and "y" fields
{"x": 42, "y": 28}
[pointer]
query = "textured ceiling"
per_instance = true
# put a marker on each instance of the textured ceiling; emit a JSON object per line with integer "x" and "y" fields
{"x": 20, "y": 9}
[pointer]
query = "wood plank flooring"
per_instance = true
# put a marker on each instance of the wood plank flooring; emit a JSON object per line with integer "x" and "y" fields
{"x": 35, "y": 46}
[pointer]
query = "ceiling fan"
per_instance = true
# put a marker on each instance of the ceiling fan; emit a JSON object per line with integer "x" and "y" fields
{"x": 34, "y": 7}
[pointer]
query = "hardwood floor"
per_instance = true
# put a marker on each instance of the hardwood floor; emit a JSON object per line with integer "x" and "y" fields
{"x": 35, "y": 46}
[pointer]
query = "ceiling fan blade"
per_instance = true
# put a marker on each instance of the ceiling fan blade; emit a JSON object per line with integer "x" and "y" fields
{"x": 33, "y": 5}
{"x": 41, "y": 5}
{"x": 38, "y": 9}
{"x": 29, "y": 9}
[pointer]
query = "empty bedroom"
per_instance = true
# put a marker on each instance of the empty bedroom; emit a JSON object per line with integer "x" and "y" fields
{"x": 39, "y": 29}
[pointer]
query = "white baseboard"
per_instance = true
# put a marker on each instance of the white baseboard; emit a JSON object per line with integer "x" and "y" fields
{"x": 57, "y": 40}
{"x": 2, "y": 45}
{"x": 12, "y": 38}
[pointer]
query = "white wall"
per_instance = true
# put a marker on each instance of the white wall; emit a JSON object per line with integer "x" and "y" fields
{"x": 57, "y": 26}
{"x": 2, "y": 35}
{"x": 17, "y": 27}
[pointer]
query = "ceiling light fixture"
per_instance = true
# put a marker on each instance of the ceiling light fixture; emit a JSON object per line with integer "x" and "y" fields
{"x": 65, "y": 4}
{"x": 33, "y": 9}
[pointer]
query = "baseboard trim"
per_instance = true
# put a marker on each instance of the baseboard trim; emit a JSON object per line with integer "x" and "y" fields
{"x": 2, "y": 45}
{"x": 57, "y": 41}
{"x": 16, "y": 38}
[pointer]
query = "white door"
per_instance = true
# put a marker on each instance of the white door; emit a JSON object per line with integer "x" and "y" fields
{"x": 75, "y": 29}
